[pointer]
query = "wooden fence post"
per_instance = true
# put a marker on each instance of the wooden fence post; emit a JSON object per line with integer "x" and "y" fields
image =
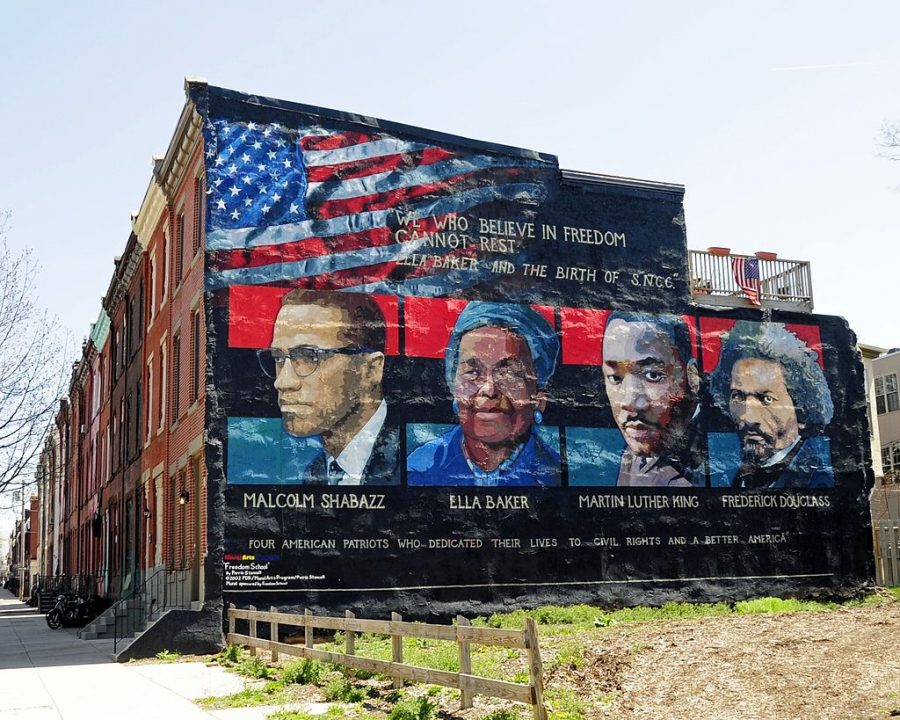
{"x": 231, "y": 620}
{"x": 397, "y": 648}
{"x": 273, "y": 633}
{"x": 252, "y": 629}
{"x": 350, "y": 636}
{"x": 535, "y": 669}
{"x": 465, "y": 665}
{"x": 307, "y": 624}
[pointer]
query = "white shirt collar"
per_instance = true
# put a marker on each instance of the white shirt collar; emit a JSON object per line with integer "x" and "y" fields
{"x": 354, "y": 457}
{"x": 780, "y": 455}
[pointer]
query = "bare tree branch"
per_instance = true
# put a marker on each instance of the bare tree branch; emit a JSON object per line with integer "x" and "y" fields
{"x": 32, "y": 367}
{"x": 889, "y": 141}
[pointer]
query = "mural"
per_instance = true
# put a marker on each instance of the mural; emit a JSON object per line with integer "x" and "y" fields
{"x": 498, "y": 362}
{"x": 446, "y": 374}
{"x": 770, "y": 385}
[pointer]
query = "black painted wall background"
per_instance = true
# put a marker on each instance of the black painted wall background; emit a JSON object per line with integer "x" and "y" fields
{"x": 827, "y": 550}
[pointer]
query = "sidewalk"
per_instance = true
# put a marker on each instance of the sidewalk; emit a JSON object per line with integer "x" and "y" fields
{"x": 52, "y": 675}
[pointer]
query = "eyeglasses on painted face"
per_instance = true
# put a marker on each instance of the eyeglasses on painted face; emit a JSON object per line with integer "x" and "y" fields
{"x": 508, "y": 377}
{"x": 305, "y": 359}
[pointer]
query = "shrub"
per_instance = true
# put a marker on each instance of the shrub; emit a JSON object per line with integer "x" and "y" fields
{"x": 230, "y": 655}
{"x": 339, "y": 690}
{"x": 253, "y": 667}
{"x": 420, "y": 708}
{"x": 301, "y": 672}
{"x": 502, "y": 714}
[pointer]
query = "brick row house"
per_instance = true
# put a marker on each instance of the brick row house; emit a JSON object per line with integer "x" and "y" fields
{"x": 120, "y": 478}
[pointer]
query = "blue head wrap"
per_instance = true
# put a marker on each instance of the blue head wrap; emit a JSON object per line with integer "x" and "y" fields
{"x": 520, "y": 319}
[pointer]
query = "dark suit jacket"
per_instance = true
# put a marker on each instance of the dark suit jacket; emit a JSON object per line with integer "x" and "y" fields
{"x": 382, "y": 467}
{"x": 808, "y": 466}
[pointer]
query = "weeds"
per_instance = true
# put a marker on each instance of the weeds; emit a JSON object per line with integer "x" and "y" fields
{"x": 268, "y": 695}
{"x": 231, "y": 655}
{"x": 409, "y": 708}
{"x": 301, "y": 672}
{"x": 570, "y": 654}
{"x": 564, "y": 704}
{"x": 502, "y": 714}
{"x": 340, "y": 690}
{"x": 168, "y": 655}
{"x": 254, "y": 667}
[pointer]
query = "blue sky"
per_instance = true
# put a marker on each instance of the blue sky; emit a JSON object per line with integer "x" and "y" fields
{"x": 767, "y": 112}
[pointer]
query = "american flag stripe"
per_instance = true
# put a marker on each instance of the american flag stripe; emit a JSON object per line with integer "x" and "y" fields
{"x": 312, "y": 247}
{"x": 322, "y": 139}
{"x": 427, "y": 175}
{"x": 363, "y": 151}
{"x": 405, "y": 195}
{"x": 318, "y": 207}
{"x": 385, "y": 163}
{"x": 332, "y": 262}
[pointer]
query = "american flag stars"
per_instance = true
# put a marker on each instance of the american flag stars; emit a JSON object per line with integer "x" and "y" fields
{"x": 256, "y": 174}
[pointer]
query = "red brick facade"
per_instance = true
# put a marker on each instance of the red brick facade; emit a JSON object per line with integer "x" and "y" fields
{"x": 124, "y": 471}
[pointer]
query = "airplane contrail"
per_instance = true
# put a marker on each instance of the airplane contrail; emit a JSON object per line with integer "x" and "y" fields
{"x": 833, "y": 66}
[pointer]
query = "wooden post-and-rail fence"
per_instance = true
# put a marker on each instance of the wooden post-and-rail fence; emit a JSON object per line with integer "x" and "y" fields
{"x": 462, "y": 633}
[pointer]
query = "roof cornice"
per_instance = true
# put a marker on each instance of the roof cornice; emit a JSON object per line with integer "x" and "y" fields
{"x": 170, "y": 172}
{"x": 147, "y": 218}
{"x": 126, "y": 265}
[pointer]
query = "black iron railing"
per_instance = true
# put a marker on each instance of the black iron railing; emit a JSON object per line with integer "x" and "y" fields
{"x": 52, "y": 585}
{"x": 162, "y": 590}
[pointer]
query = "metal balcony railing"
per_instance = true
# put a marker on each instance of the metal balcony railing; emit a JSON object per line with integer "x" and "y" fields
{"x": 784, "y": 284}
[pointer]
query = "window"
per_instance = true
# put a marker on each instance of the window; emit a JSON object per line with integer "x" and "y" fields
{"x": 890, "y": 462}
{"x": 886, "y": 397}
{"x": 179, "y": 248}
{"x": 195, "y": 356}
{"x": 152, "y": 288}
{"x": 138, "y": 417}
{"x": 198, "y": 214}
{"x": 165, "y": 259}
{"x": 163, "y": 388}
{"x": 176, "y": 377}
{"x": 150, "y": 390}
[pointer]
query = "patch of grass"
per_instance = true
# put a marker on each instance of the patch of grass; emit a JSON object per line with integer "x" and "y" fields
{"x": 340, "y": 690}
{"x": 895, "y": 591}
{"x": 521, "y": 677}
{"x": 564, "y": 704}
{"x": 168, "y": 655}
{"x": 409, "y": 708}
{"x": 301, "y": 672}
{"x": 333, "y": 713}
{"x": 231, "y": 655}
{"x": 778, "y": 605}
{"x": 271, "y": 694}
{"x": 569, "y": 654}
{"x": 502, "y": 714}
{"x": 254, "y": 667}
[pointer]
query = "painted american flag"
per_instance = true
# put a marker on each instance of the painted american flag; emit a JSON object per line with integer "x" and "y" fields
{"x": 321, "y": 208}
{"x": 746, "y": 275}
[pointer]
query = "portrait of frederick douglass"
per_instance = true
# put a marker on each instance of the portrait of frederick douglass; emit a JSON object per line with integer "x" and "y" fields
{"x": 771, "y": 386}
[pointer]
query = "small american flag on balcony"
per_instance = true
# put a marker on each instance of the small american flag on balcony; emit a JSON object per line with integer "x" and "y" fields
{"x": 746, "y": 275}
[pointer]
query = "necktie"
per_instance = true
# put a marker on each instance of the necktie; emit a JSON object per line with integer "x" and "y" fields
{"x": 335, "y": 473}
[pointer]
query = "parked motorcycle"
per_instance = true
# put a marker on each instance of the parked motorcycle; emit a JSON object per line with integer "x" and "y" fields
{"x": 71, "y": 610}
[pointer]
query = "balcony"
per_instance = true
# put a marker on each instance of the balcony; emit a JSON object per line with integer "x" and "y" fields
{"x": 784, "y": 284}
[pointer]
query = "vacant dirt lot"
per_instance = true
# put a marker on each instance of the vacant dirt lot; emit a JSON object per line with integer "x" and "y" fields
{"x": 835, "y": 665}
